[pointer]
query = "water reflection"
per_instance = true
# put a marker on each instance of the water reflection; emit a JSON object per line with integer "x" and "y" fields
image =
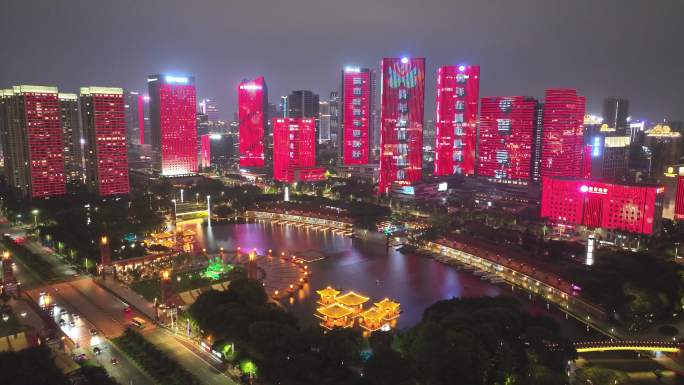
{"x": 363, "y": 266}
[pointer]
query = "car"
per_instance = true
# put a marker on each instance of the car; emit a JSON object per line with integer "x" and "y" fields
{"x": 97, "y": 351}
{"x": 63, "y": 311}
{"x": 114, "y": 361}
{"x": 72, "y": 323}
{"x": 93, "y": 332}
{"x": 75, "y": 316}
{"x": 127, "y": 309}
{"x": 62, "y": 322}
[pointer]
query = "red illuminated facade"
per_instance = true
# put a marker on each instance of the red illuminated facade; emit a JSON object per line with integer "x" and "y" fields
{"x": 610, "y": 206}
{"x": 252, "y": 107}
{"x": 173, "y": 110}
{"x": 357, "y": 102}
{"x": 402, "y": 113}
{"x": 205, "y": 150}
{"x": 458, "y": 89}
{"x": 679, "y": 199}
{"x": 294, "y": 151}
{"x": 103, "y": 116}
{"x": 562, "y": 134}
{"x": 506, "y": 138}
{"x": 32, "y": 141}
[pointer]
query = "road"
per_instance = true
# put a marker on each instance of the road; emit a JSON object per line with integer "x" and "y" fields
{"x": 193, "y": 360}
{"x": 639, "y": 367}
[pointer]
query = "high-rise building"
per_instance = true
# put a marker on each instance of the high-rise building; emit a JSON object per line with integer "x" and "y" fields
{"x": 562, "y": 135}
{"x": 663, "y": 147}
{"x": 302, "y": 104}
{"x": 71, "y": 138}
{"x": 294, "y": 155}
{"x": 458, "y": 89}
{"x": 283, "y": 107}
{"x": 335, "y": 134}
{"x": 402, "y": 114}
{"x": 208, "y": 107}
{"x": 507, "y": 138}
{"x": 536, "y": 154}
{"x": 615, "y": 113}
{"x": 32, "y": 141}
{"x": 135, "y": 120}
{"x": 606, "y": 153}
{"x": 324, "y": 122}
{"x": 173, "y": 110}
{"x": 356, "y": 114}
{"x": 104, "y": 125}
{"x": 252, "y": 104}
{"x": 633, "y": 208}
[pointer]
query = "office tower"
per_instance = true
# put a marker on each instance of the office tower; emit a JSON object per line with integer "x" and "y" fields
{"x": 606, "y": 153}
{"x": 252, "y": 104}
{"x": 507, "y": 138}
{"x": 536, "y": 153}
{"x": 32, "y": 140}
{"x": 283, "y": 107}
{"x": 429, "y": 135}
{"x": 324, "y": 121}
{"x": 458, "y": 89}
{"x": 302, "y": 104}
{"x": 402, "y": 113}
{"x": 357, "y": 106}
{"x": 146, "y": 134}
{"x": 135, "y": 121}
{"x": 615, "y": 113}
{"x": 663, "y": 147}
{"x": 335, "y": 135}
{"x": 104, "y": 125}
{"x": 562, "y": 141}
{"x": 208, "y": 107}
{"x": 634, "y": 208}
{"x": 673, "y": 200}
{"x": 173, "y": 110}
{"x": 294, "y": 155}
{"x": 71, "y": 138}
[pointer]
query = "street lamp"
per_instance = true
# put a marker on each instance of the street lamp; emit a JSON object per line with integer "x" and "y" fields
{"x": 209, "y": 208}
{"x": 174, "y": 208}
{"x": 35, "y": 218}
{"x": 197, "y": 198}
{"x": 182, "y": 195}
{"x": 676, "y": 250}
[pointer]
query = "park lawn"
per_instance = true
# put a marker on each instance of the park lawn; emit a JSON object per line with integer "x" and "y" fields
{"x": 151, "y": 288}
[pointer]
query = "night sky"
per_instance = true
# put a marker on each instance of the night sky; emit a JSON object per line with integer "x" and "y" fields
{"x": 627, "y": 48}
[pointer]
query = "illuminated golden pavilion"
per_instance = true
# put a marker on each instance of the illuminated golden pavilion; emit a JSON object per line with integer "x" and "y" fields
{"x": 390, "y": 309}
{"x": 327, "y": 296}
{"x": 353, "y": 301}
{"x": 341, "y": 310}
{"x": 335, "y": 316}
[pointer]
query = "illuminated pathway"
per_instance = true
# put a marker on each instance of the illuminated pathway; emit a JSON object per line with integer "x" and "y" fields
{"x": 606, "y": 346}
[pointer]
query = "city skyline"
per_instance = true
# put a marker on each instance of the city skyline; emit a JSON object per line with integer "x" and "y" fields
{"x": 610, "y": 51}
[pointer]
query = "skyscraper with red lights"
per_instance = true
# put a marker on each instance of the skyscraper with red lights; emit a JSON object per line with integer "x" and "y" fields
{"x": 562, "y": 135}
{"x": 402, "y": 113}
{"x": 104, "y": 121}
{"x": 458, "y": 89}
{"x": 252, "y": 104}
{"x": 506, "y": 138}
{"x": 71, "y": 138}
{"x": 611, "y": 206}
{"x": 173, "y": 111}
{"x": 32, "y": 141}
{"x": 294, "y": 154}
{"x": 357, "y": 122}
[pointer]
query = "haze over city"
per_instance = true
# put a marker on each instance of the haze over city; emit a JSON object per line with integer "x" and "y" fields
{"x": 630, "y": 49}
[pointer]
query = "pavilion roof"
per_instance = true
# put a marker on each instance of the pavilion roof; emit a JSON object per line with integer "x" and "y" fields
{"x": 335, "y": 311}
{"x": 351, "y": 299}
{"x": 374, "y": 314}
{"x": 328, "y": 292}
{"x": 388, "y": 304}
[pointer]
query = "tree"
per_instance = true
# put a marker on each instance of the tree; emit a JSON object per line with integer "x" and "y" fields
{"x": 600, "y": 376}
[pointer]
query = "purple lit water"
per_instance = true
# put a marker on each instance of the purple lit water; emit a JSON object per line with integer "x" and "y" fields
{"x": 363, "y": 266}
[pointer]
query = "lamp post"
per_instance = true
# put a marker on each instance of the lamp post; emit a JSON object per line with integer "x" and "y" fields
{"x": 182, "y": 195}
{"x": 197, "y": 198}
{"x": 174, "y": 209}
{"x": 209, "y": 208}
{"x": 35, "y": 218}
{"x": 676, "y": 250}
